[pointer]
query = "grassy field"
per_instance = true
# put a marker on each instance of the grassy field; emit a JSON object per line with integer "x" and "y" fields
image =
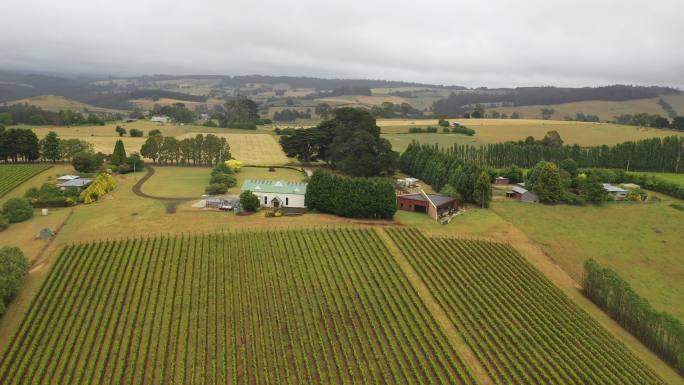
{"x": 251, "y": 146}
{"x": 514, "y": 319}
{"x": 642, "y": 242}
{"x": 191, "y": 181}
{"x": 148, "y": 104}
{"x": 674, "y": 178}
{"x": 605, "y": 110}
{"x": 57, "y": 103}
{"x": 499, "y": 130}
{"x": 177, "y": 181}
{"x": 401, "y": 141}
{"x": 677, "y": 102}
{"x": 321, "y": 306}
{"x": 13, "y": 175}
{"x": 260, "y": 149}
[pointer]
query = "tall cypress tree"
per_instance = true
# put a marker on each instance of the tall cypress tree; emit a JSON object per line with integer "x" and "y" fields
{"x": 119, "y": 154}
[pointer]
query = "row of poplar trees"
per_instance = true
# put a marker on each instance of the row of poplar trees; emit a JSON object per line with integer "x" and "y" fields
{"x": 202, "y": 150}
{"x": 351, "y": 197}
{"x": 661, "y": 332}
{"x": 656, "y": 154}
{"x": 440, "y": 168}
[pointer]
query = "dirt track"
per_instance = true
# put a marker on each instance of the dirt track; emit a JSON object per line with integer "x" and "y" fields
{"x": 170, "y": 202}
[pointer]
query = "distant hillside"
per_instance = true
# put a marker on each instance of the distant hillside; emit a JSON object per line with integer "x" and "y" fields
{"x": 605, "y": 110}
{"x": 460, "y": 102}
{"x": 275, "y": 91}
{"x": 57, "y": 103}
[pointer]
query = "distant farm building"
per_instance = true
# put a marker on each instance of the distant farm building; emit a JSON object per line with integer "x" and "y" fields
{"x": 78, "y": 182}
{"x": 501, "y": 180}
{"x": 617, "y": 192}
{"x": 522, "y": 194}
{"x": 160, "y": 119}
{"x": 407, "y": 182}
{"x": 431, "y": 204}
{"x": 277, "y": 193}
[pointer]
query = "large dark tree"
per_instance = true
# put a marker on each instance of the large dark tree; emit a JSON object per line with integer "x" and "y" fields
{"x": 349, "y": 142}
{"x": 17, "y": 144}
{"x": 49, "y": 147}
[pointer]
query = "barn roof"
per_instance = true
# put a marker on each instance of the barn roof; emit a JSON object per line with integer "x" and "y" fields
{"x": 437, "y": 200}
{"x": 610, "y": 188}
{"x": 80, "y": 182}
{"x": 519, "y": 190}
{"x": 274, "y": 186}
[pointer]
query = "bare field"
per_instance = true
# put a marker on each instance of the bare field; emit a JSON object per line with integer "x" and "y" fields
{"x": 261, "y": 149}
{"x": 356, "y": 100}
{"x": 499, "y": 130}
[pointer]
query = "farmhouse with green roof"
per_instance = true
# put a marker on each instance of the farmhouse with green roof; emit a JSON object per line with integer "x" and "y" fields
{"x": 277, "y": 193}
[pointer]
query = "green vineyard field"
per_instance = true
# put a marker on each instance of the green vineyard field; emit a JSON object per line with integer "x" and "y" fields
{"x": 12, "y": 175}
{"x": 521, "y": 327}
{"x": 289, "y": 307}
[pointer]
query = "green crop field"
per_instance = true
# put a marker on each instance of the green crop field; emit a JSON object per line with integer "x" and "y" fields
{"x": 12, "y": 175}
{"x": 291, "y": 307}
{"x": 521, "y": 327}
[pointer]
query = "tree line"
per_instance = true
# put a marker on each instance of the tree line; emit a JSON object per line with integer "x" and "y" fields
{"x": 202, "y": 150}
{"x": 459, "y": 102}
{"x": 372, "y": 198}
{"x": 349, "y": 142}
{"x": 656, "y": 154}
{"x": 660, "y": 331}
{"x": 445, "y": 172}
{"x": 23, "y": 113}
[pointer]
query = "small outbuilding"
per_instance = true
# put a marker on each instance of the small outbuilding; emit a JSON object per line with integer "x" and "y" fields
{"x": 500, "y": 180}
{"x": 66, "y": 178}
{"x": 522, "y": 194}
{"x": 617, "y": 192}
{"x": 79, "y": 183}
{"x": 45, "y": 233}
{"x": 431, "y": 204}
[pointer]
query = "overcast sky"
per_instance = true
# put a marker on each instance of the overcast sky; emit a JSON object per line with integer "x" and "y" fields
{"x": 472, "y": 43}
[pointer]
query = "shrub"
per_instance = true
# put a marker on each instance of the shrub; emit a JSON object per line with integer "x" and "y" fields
{"x": 249, "y": 201}
{"x": 102, "y": 184}
{"x": 86, "y": 162}
{"x": 4, "y": 223}
{"x": 13, "y": 268}
{"x": 222, "y": 168}
{"x": 463, "y": 130}
{"x": 234, "y": 164}
{"x": 17, "y": 210}
{"x": 210, "y": 123}
{"x": 225, "y": 179}
{"x": 216, "y": 188}
{"x": 134, "y": 132}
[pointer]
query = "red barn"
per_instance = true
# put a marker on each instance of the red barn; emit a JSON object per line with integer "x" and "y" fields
{"x": 431, "y": 204}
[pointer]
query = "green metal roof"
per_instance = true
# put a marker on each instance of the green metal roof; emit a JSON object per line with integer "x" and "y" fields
{"x": 274, "y": 186}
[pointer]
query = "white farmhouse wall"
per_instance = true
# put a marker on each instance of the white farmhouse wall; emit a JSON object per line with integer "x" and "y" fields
{"x": 286, "y": 200}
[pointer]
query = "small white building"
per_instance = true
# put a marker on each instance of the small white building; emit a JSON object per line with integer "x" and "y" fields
{"x": 617, "y": 192}
{"x": 160, "y": 119}
{"x": 66, "y": 178}
{"x": 277, "y": 193}
{"x": 407, "y": 182}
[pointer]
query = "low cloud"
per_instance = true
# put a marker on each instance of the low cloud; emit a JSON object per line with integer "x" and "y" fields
{"x": 493, "y": 43}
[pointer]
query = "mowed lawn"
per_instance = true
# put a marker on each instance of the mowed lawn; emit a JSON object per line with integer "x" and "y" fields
{"x": 169, "y": 181}
{"x": 642, "y": 242}
{"x": 672, "y": 177}
{"x": 261, "y": 149}
{"x": 501, "y": 130}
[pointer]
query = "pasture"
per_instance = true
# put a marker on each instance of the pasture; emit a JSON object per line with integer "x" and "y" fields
{"x": 260, "y": 149}
{"x": 291, "y": 307}
{"x": 57, "y": 103}
{"x": 521, "y": 327}
{"x": 13, "y": 175}
{"x": 501, "y": 130}
{"x": 169, "y": 181}
{"x": 642, "y": 242}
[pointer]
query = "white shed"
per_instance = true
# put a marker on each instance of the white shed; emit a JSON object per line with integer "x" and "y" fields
{"x": 277, "y": 193}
